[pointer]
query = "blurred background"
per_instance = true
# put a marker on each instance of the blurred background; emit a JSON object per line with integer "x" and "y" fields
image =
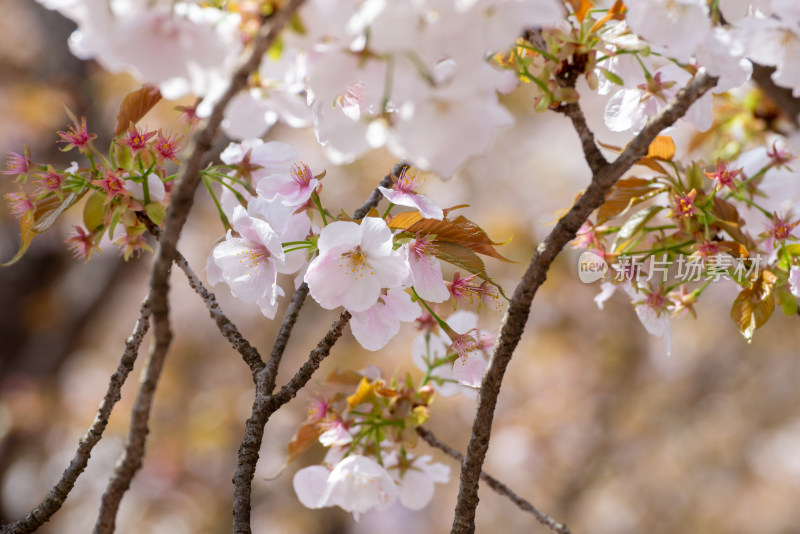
{"x": 596, "y": 425}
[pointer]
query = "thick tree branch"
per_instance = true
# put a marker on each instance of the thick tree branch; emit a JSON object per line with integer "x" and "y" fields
{"x": 604, "y": 177}
{"x": 782, "y": 96}
{"x": 265, "y": 404}
{"x": 495, "y": 484}
{"x": 58, "y": 494}
{"x": 591, "y": 152}
{"x": 180, "y": 205}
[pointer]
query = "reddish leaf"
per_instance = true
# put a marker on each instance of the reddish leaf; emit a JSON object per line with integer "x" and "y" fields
{"x": 461, "y": 231}
{"x": 728, "y": 220}
{"x": 754, "y": 305}
{"x": 461, "y": 256}
{"x": 662, "y": 147}
{"x": 626, "y": 194}
{"x": 403, "y": 220}
{"x": 135, "y": 105}
{"x": 344, "y": 376}
{"x": 27, "y": 234}
{"x": 306, "y": 436}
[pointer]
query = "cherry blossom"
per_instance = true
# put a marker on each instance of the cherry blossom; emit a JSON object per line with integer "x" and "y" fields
{"x": 182, "y": 47}
{"x": 82, "y": 243}
{"x": 336, "y": 434}
{"x": 467, "y": 341}
{"x": 48, "y": 182}
{"x": 257, "y": 159}
{"x": 652, "y": 312}
{"x": 249, "y": 263}
{"x": 355, "y": 262}
{"x": 18, "y": 163}
{"x": 20, "y": 204}
{"x": 154, "y": 185}
{"x": 675, "y": 27}
{"x": 292, "y": 189}
{"x": 426, "y": 270}
{"x": 794, "y": 280}
{"x": 356, "y": 484}
{"x": 167, "y": 147}
{"x": 403, "y": 193}
{"x": 415, "y": 478}
{"x": 428, "y": 351}
{"x": 630, "y": 108}
{"x": 376, "y": 326}
{"x": 76, "y": 136}
{"x": 113, "y": 186}
{"x": 136, "y": 139}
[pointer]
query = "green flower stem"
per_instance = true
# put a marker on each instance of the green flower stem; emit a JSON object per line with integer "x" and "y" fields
{"x": 296, "y": 248}
{"x": 438, "y": 319}
{"x": 388, "y": 209}
{"x": 145, "y": 181}
{"x": 318, "y": 203}
{"x": 222, "y": 215}
{"x": 670, "y": 248}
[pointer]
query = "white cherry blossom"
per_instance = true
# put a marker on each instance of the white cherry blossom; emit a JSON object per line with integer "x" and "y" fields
{"x": 376, "y": 326}
{"x": 355, "y": 262}
{"x": 415, "y": 478}
{"x": 249, "y": 263}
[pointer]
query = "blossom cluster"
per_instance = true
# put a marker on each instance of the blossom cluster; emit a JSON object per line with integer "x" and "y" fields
{"x": 124, "y": 190}
{"x": 382, "y": 272}
{"x": 367, "y": 434}
{"x": 685, "y": 211}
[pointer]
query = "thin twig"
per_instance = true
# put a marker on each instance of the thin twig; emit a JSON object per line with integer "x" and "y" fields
{"x": 181, "y": 202}
{"x": 265, "y": 404}
{"x": 282, "y": 339}
{"x": 604, "y": 177}
{"x": 59, "y": 493}
{"x": 495, "y": 484}
{"x": 226, "y": 327}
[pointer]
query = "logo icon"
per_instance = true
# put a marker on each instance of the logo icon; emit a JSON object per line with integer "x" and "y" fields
{"x": 591, "y": 267}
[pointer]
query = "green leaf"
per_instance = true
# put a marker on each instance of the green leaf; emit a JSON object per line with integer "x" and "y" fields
{"x": 156, "y": 212}
{"x": 636, "y": 222}
{"x": 793, "y": 250}
{"x": 787, "y": 300}
{"x": 611, "y": 77}
{"x": 93, "y": 211}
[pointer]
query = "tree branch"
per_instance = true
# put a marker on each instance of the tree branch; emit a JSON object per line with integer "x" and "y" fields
{"x": 180, "y": 204}
{"x": 518, "y": 311}
{"x": 265, "y": 404}
{"x": 226, "y": 327}
{"x": 495, "y": 484}
{"x": 59, "y": 493}
{"x": 782, "y": 96}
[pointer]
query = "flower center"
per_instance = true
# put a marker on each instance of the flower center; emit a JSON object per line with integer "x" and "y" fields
{"x": 254, "y": 256}
{"x": 301, "y": 174}
{"x": 355, "y": 263}
{"x": 409, "y": 179}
